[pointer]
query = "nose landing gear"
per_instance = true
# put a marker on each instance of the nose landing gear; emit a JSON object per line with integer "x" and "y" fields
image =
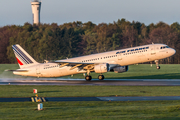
{"x": 157, "y": 64}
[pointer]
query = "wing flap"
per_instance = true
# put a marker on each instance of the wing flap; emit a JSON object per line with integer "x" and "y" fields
{"x": 85, "y": 66}
{"x": 72, "y": 63}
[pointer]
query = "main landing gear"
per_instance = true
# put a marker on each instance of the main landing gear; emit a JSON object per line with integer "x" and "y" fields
{"x": 101, "y": 77}
{"x": 88, "y": 77}
{"x": 157, "y": 64}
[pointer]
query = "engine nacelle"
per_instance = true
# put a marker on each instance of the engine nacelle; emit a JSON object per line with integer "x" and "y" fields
{"x": 101, "y": 68}
{"x": 120, "y": 69}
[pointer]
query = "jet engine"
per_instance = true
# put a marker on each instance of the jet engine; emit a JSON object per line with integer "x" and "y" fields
{"x": 101, "y": 68}
{"x": 120, "y": 69}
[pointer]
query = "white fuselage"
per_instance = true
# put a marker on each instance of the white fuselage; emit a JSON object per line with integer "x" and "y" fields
{"x": 121, "y": 57}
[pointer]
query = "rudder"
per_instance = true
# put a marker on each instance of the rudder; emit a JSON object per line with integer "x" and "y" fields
{"x": 22, "y": 56}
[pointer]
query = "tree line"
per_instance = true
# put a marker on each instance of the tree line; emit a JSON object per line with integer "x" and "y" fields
{"x": 52, "y": 41}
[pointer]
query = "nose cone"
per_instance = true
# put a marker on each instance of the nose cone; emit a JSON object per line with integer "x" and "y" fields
{"x": 172, "y": 51}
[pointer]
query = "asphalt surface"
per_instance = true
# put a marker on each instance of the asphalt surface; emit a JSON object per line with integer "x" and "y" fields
{"x": 121, "y": 82}
{"x": 63, "y": 99}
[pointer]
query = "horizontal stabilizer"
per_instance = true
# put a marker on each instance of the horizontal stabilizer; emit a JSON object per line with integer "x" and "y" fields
{"x": 17, "y": 70}
{"x": 9, "y": 70}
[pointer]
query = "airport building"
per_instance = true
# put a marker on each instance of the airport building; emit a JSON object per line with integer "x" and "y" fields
{"x": 36, "y": 7}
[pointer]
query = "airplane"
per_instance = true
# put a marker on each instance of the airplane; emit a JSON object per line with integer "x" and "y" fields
{"x": 113, "y": 61}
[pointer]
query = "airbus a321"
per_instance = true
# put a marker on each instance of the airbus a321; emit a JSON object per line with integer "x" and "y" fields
{"x": 113, "y": 61}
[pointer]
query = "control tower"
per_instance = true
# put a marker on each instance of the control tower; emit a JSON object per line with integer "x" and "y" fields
{"x": 36, "y": 7}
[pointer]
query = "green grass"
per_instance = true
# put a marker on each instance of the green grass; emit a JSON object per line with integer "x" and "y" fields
{"x": 93, "y": 91}
{"x": 149, "y": 110}
{"x": 141, "y": 71}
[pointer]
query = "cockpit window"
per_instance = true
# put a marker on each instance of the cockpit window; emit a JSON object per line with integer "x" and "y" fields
{"x": 163, "y": 47}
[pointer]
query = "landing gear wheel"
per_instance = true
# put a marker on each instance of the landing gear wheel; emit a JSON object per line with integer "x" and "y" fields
{"x": 101, "y": 77}
{"x": 157, "y": 64}
{"x": 158, "y": 67}
{"x": 88, "y": 78}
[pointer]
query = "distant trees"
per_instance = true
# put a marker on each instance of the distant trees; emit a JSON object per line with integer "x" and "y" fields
{"x": 52, "y": 41}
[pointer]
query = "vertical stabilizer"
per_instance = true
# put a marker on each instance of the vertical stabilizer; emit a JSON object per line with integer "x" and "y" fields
{"x": 22, "y": 56}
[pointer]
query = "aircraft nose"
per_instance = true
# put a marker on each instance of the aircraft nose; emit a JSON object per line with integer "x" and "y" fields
{"x": 172, "y": 51}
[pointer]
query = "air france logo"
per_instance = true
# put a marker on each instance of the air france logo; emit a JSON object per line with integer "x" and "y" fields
{"x": 132, "y": 50}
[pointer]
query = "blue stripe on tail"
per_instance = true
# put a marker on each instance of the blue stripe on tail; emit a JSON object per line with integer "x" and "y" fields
{"x": 21, "y": 55}
{"x": 24, "y": 55}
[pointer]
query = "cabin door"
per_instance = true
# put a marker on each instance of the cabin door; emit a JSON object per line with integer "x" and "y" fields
{"x": 120, "y": 56}
{"x": 38, "y": 70}
{"x": 153, "y": 50}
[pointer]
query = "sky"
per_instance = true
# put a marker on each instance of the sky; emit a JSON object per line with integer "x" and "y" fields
{"x": 19, "y": 12}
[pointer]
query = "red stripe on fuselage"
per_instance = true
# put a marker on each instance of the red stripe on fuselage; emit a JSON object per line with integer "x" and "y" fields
{"x": 19, "y": 61}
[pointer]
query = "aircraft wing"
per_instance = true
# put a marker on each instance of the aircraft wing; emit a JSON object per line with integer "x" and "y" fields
{"x": 85, "y": 66}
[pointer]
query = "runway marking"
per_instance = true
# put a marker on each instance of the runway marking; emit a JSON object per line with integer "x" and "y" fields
{"x": 32, "y": 99}
{"x": 38, "y": 99}
{"x": 43, "y": 99}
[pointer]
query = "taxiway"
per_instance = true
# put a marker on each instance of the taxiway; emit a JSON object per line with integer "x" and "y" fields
{"x": 120, "y": 82}
{"x": 63, "y": 99}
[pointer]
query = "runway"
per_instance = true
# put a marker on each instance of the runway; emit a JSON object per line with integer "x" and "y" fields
{"x": 120, "y": 82}
{"x": 65, "y": 99}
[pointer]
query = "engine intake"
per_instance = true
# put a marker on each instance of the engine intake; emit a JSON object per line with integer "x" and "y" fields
{"x": 101, "y": 68}
{"x": 120, "y": 69}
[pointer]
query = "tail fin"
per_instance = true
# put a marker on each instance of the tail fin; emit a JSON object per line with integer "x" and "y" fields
{"x": 22, "y": 56}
